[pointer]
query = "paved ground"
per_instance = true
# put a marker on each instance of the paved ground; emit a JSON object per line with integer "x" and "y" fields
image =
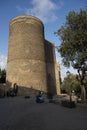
{"x": 19, "y": 113}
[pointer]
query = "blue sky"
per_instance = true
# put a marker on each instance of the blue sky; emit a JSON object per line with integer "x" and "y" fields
{"x": 51, "y": 12}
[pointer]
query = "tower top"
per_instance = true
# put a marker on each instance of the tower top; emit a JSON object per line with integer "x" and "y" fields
{"x": 22, "y": 18}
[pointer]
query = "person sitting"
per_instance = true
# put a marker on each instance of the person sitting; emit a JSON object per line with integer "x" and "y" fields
{"x": 39, "y": 98}
{"x": 15, "y": 89}
{"x": 12, "y": 93}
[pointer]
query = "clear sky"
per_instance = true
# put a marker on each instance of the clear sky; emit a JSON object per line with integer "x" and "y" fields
{"x": 52, "y": 13}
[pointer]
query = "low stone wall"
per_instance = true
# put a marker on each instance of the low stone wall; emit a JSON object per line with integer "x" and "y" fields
{"x": 23, "y": 91}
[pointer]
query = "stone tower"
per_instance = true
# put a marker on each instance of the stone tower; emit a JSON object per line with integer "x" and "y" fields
{"x": 31, "y": 59}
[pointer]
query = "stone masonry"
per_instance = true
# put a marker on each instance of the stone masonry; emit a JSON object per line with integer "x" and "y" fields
{"x": 31, "y": 59}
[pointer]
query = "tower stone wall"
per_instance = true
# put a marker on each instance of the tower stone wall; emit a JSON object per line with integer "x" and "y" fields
{"x": 57, "y": 77}
{"x": 50, "y": 66}
{"x": 31, "y": 59}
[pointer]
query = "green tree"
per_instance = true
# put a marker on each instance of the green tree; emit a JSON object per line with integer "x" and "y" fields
{"x": 70, "y": 83}
{"x": 73, "y": 48}
{"x": 2, "y": 76}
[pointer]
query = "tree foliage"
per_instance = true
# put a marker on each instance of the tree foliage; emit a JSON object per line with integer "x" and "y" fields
{"x": 70, "y": 83}
{"x": 2, "y": 76}
{"x": 73, "y": 34}
{"x": 73, "y": 48}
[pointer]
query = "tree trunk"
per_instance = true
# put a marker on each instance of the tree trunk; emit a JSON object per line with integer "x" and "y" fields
{"x": 83, "y": 93}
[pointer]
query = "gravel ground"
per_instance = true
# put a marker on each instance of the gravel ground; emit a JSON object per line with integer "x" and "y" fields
{"x": 19, "y": 113}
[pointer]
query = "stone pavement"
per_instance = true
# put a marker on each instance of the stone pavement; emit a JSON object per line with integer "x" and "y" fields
{"x": 18, "y": 113}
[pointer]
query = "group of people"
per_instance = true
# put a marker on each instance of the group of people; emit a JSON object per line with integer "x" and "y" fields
{"x": 11, "y": 92}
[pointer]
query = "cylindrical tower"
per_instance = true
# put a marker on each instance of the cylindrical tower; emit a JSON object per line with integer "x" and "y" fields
{"x": 26, "y": 55}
